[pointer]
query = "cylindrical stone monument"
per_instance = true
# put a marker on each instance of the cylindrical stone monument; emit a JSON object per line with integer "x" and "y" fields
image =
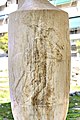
{"x": 39, "y": 61}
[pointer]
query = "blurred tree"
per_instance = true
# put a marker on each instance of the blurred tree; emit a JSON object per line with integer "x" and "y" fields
{"x": 4, "y": 42}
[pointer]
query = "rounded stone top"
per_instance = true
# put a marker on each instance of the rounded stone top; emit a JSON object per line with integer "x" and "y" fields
{"x": 36, "y": 5}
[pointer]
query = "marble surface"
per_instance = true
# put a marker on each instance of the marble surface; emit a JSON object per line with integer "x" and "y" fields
{"x": 39, "y": 64}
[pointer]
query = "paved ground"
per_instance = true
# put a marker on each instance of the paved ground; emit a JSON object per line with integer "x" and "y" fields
{"x": 3, "y": 63}
{"x": 75, "y": 70}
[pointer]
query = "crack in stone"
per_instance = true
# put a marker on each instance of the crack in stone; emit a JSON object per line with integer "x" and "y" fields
{"x": 19, "y": 80}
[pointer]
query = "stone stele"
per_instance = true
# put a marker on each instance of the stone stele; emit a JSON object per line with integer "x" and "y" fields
{"x": 39, "y": 61}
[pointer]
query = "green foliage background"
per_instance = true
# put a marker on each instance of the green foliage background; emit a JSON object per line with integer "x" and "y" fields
{"x": 4, "y": 42}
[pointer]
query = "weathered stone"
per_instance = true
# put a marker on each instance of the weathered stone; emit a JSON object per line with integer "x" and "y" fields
{"x": 39, "y": 62}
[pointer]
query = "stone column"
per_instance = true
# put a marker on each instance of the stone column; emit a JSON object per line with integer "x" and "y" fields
{"x": 39, "y": 61}
{"x": 20, "y": 3}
